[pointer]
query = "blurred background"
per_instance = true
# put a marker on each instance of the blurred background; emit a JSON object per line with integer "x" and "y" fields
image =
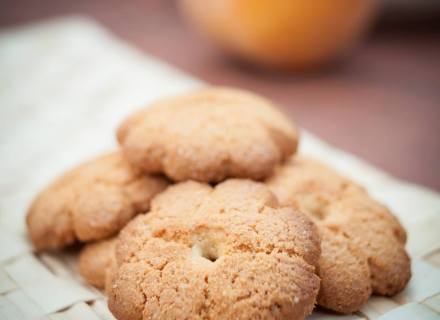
{"x": 361, "y": 74}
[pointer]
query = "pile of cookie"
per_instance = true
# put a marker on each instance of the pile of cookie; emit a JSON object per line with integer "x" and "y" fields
{"x": 206, "y": 211}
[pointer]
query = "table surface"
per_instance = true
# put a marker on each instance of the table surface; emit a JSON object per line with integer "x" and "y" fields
{"x": 382, "y": 104}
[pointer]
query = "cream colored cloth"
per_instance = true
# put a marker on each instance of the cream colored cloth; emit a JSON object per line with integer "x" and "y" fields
{"x": 64, "y": 87}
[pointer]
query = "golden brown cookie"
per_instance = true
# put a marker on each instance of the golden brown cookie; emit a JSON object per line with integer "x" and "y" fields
{"x": 362, "y": 243}
{"x": 209, "y": 135}
{"x": 229, "y": 252}
{"x": 91, "y": 202}
{"x": 96, "y": 260}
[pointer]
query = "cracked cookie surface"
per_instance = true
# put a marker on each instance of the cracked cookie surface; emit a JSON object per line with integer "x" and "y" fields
{"x": 229, "y": 252}
{"x": 209, "y": 135}
{"x": 90, "y": 202}
{"x": 362, "y": 243}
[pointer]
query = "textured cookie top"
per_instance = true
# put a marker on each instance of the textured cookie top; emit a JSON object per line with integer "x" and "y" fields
{"x": 310, "y": 186}
{"x": 354, "y": 228}
{"x": 209, "y": 135}
{"x": 91, "y": 202}
{"x": 229, "y": 252}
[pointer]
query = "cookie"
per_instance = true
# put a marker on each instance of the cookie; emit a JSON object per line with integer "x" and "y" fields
{"x": 96, "y": 260}
{"x": 362, "y": 243}
{"x": 229, "y": 252}
{"x": 209, "y": 135}
{"x": 91, "y": 202}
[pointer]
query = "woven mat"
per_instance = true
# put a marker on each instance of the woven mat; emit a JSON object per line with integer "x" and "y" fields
{"x": 64, "y": 87}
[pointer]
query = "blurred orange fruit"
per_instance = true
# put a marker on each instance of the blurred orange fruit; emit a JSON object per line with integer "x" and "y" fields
{"x": 293, "y": 34}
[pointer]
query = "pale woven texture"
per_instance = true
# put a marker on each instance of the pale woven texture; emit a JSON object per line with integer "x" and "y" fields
{"x": 64, "y": 87}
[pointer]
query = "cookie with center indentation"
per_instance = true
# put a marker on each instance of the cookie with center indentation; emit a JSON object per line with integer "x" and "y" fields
{"x": 362, "y": 243}
{"x": 229, "y": 252}
{"x": 209, "y": 135}
{"x": 90, "y": 202}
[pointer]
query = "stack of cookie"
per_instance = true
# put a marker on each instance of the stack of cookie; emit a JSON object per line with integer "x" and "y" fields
{"x": 207, "y": 212}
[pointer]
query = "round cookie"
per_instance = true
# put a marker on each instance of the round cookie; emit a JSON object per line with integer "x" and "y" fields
{"x": 95, "y": 261}
{"x": 229, "y": 252}
{"x": 362, "y": 243}
{"x": 344, "y": 272}
{"x": 91, "y": 202}
{"x": 209, "y": 135}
